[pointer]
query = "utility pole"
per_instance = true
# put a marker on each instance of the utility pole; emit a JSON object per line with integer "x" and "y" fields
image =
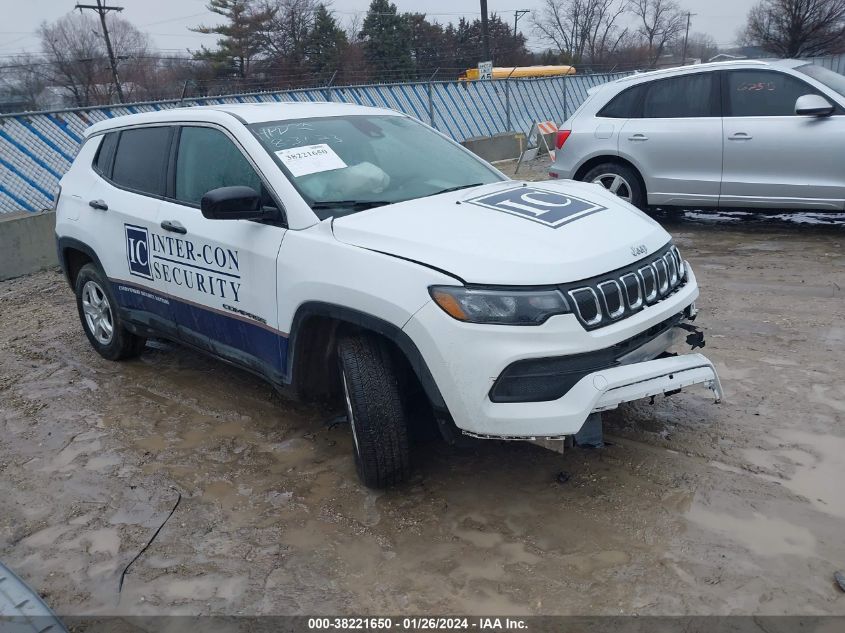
{"x": 518, "y": 13}
{"x": 485, "y": 33}
{"x": 686, "y": 36}
{"x": 102, "y": 10}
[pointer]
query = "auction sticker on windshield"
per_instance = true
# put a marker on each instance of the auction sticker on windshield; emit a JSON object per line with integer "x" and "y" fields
{"x": 310, "y": 159}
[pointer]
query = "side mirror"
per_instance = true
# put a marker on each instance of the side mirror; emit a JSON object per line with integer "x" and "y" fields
{"x": 234, "y": 203}
{"x": 813, "y": 105}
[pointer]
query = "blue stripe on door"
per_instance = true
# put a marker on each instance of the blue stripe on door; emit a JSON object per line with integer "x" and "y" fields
{"x": 256, "y": 339}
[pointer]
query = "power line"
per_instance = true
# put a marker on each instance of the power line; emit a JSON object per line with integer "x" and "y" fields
{"x": 102, "y": 10}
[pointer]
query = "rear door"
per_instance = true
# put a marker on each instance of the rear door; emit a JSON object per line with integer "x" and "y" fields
{"x": 676, "y": 139}
{"x": 773, "y": 157}
{"x": 221, "y": 273}
{"x": 124, "y": 207}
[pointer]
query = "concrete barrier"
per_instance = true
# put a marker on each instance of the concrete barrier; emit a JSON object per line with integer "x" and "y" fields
{"x": 27, "y": 243}
{"x": 506, "y": 146}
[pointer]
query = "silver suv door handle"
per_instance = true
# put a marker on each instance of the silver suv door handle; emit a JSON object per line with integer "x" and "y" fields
{"x": 638, "y": 137}
{"x": 740, "y": 136}
{"x": 173, "y": 226}
{"x": 98, "y": 204}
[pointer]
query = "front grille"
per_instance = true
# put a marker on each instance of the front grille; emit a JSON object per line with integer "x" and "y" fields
{"x": 616, "y": 295}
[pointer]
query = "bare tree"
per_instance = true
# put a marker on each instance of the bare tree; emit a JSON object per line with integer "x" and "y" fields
{"x": 699, "y": 46}
{"x": 76, "y": 55}
{"x": 289, "y": 27}
{"x": 582, "y": 30}
{"x": 660, "y": 23}
{"x": 24, "y": 77}
{"x": 797, "y": 28}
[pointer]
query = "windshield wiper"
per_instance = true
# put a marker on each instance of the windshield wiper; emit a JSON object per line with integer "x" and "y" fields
{"x": 457, "y": 188}
{"x": 353, "y": 205}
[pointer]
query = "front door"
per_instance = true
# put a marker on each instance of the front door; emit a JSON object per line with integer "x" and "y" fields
{"x": 773, "y": 157}
{"x": 221, "y": 273}
{"x": 676, "y": 140}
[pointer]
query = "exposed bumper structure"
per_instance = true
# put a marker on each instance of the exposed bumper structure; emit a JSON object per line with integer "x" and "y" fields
{"x": 651, "y": 378}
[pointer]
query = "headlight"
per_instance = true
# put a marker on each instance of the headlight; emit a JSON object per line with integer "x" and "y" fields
{"x": 511, "y": 307}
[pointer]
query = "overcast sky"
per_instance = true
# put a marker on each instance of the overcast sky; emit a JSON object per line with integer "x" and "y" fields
{"x": 166, "y": 21}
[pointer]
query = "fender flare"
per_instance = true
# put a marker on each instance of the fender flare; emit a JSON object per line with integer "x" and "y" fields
{"x": 63, "y": 244}
{"x": 366, "y": 321}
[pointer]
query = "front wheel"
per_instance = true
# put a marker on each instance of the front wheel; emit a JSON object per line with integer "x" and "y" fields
{"x": 375, "y": 412}
{"x": 620, "y": 180}
{"x": 100, "y": 318}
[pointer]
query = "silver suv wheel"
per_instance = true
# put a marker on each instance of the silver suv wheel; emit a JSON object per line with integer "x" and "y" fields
{"x": 98, "y": 314}
{"x": 615, "y": 184}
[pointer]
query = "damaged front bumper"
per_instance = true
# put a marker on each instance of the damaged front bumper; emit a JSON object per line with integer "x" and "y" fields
{"x": 645, "y": 371}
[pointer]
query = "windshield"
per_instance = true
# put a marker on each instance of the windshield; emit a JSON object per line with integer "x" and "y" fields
{"x": 832, "y": 80}
{"x": 346, "y": 164}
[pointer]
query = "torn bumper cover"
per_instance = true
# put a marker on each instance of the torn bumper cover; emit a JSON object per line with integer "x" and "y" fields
{"x": 652, "y": 378}
{"x": 599, "y": 391}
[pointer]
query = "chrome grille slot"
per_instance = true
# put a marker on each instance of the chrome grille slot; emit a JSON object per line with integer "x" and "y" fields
{"x": 662, "y": 275}
{"x": 633, "y": 290}
{"x": 587, "y": 304}
{"x": 612, "y": 295}
{"x": 619, "y": 294}
{"x": 649, "y": 278}
{"x": 669, "y": 258}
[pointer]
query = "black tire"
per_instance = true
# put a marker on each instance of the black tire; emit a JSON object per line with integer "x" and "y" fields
{"x": 374, "y": 407}
{"x": 630, "y": 177}
{"x": 122, "y": 343}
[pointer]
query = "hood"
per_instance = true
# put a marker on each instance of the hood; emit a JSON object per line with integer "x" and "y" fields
{"x": 510, "y": 232}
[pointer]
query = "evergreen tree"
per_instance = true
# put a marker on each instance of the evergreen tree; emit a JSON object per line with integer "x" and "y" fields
{"x": 325, "y": 43}
{"x": 386, "y": 36}
{"x": 243, "y": 36}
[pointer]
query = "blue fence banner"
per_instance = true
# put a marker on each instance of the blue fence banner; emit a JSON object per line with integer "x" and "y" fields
{"x": 36, "y": 148}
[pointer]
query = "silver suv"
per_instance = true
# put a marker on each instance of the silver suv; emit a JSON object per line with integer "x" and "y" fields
{"x": 747, "y": 134}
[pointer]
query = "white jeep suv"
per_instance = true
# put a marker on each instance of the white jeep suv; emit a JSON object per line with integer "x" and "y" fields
{"x": 355, "y": 253}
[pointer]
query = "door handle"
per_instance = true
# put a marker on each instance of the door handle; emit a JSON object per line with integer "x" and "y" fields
{"x": 638, "y": 137}
{"x": 98, "y": 204}
{"x": 173, "y": 226}
{"x": 740, "y": 136}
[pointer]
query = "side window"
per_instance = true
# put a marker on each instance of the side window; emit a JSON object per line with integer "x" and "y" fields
{"x": 208, "y": 159}
{"x": 679, "y": 97}
{"x": 140, "y": 162}
{"x": 625, "y": 105}
{"x": 105, "y": 154}
{"x": 764, "y": 93}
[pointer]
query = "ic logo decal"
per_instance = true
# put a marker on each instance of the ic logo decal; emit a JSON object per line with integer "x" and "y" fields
{"x": 550, "y": 208}
{"x": 138, "y": 251}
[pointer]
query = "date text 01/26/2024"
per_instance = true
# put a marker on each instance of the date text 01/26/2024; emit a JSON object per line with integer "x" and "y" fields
{"x": 418, "y": 624}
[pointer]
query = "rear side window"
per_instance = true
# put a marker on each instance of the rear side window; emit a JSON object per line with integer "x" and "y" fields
{"x": 208, "y": 159}
{"x": 626, "y": 105}
{"x": 105, "y": 154}
{"x": 679, "y": 97}
{"x": 764, "y": 93}
{"x": 140, "y": 162}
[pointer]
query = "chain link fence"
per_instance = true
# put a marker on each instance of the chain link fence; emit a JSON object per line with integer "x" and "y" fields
{"x": 36, "y": 148}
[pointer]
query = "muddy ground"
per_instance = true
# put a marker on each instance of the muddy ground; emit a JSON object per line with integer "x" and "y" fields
{"x": 695, "y": 508}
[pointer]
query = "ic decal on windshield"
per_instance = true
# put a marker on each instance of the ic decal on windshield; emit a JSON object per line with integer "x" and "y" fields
{"x": 550, "y": 208}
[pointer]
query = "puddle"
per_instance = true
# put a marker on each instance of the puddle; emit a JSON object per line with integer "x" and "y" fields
{"x": 819, "y": 461}
{"x": 763, "y": 535}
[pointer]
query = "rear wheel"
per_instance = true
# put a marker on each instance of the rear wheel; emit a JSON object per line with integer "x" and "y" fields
{"x": 374, "y": 408}
{"x": 100, "y": 318}
{"x": 620, "y": 180}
